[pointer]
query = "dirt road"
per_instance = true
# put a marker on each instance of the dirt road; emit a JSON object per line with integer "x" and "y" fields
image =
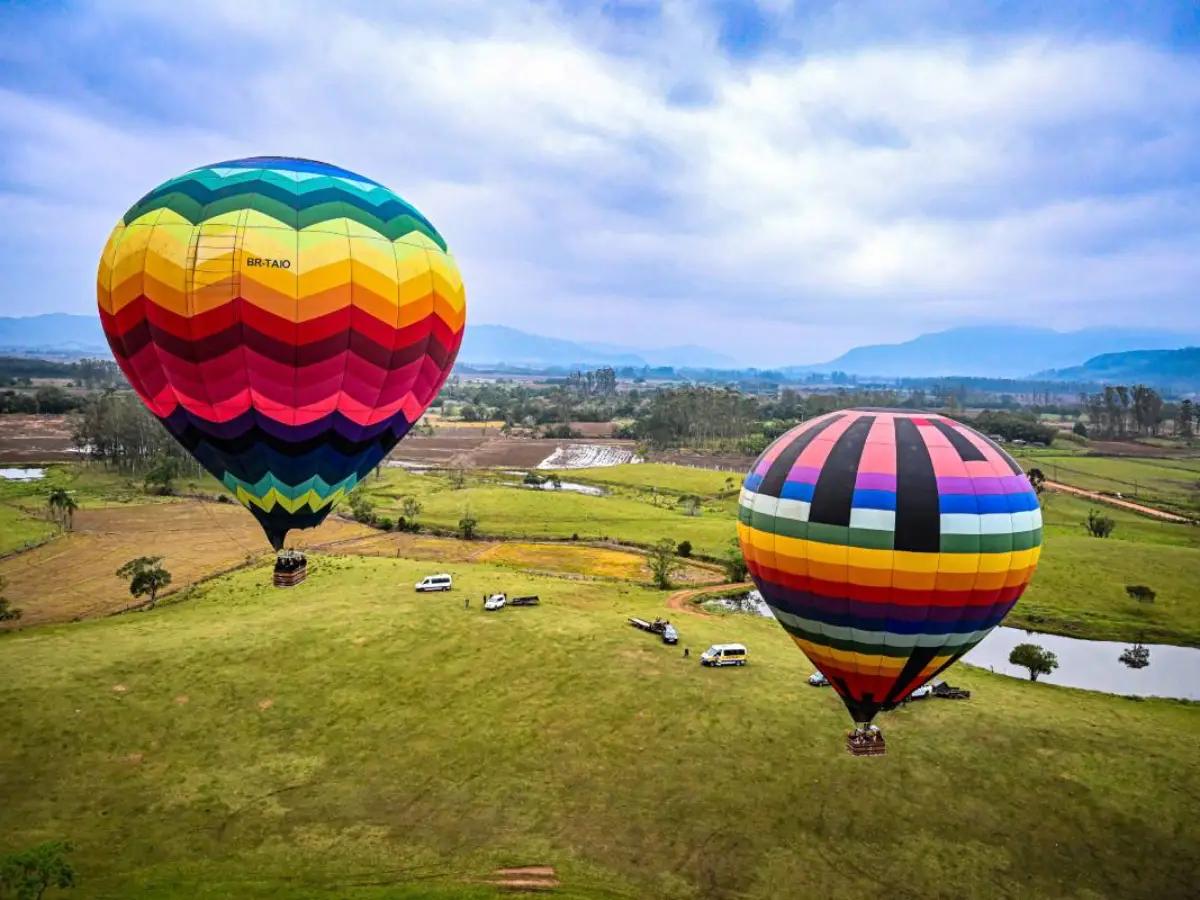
{"x": 681, "y": 600}
{"x": 1116, "y": 501}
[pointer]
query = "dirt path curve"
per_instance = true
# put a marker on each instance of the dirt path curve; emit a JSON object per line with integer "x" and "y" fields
{"x": 680, "y": 600}
{"x": 1116, "y": 501}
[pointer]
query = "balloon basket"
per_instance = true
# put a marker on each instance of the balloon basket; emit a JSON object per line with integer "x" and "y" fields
{"x": 291, "y": 568}
{"x": 866, "y": 742}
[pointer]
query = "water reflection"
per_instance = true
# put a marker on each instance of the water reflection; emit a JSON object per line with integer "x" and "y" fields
{"x": 22, "y": 474}
{"x": 1115, "y": 668}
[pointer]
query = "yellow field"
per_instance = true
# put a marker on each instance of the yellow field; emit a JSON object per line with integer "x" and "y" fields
{"x": 572, "y": 559}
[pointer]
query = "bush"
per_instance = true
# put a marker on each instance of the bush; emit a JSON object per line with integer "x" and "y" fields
{"x": 734, "y": 563}
{"x": 684, "y": 549}
{"x": 1141, "y": 593}
{"x": 466, "y": 527}
{"x": 385, "y": 522}
{"x": 1098, "y": 525}
{"x": 1080, "y": 429}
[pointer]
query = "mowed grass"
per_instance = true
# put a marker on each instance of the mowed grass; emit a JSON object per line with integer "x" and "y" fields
{"x": 515, "y": 512}
{"x": 347, "y": 739}
{"x": 1172, "y": 484}
{"x": 663, "y": 476}
{"x": 20, "y": 529}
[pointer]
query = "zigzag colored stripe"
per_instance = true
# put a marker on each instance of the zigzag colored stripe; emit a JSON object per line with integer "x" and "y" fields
{"x": 286, "y": 320}
{"x": 298, "y": 205}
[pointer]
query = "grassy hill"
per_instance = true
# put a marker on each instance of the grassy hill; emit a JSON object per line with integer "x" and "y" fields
{"x": 350, "y": 739}
{"x": 1175, "y": 369}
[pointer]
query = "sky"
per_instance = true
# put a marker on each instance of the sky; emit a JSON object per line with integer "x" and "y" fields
{"x": 778, "y": 180}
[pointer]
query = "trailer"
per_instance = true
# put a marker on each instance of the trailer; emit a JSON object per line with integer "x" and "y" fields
{"x": 948, "y": 692}
{"x": 525, "y": 601}
{"x": 660, "y": 627}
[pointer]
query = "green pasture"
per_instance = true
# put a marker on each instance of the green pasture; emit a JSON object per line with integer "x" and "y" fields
{"x": 351, "y": 739}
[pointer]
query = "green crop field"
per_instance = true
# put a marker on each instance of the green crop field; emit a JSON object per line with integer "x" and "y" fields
{"x": 346, "y": 740}
{"x": 522, "y": 512}
{"x": 664, "y": 477}
{"x": 1169, "y": 484}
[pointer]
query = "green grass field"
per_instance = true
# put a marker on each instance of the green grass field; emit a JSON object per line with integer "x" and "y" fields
{"x": 521, "y": 512}
{"x": 664, "y": 477}
{"x": 1169, "y": 484}
{"x": 350, "y": 739}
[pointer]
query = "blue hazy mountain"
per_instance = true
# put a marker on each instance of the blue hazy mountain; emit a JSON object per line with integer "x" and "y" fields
{"x": 1170, "y": 369}
{"x": 997, "y": 351}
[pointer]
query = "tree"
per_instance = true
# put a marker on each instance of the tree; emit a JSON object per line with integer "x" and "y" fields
{"x": 1037, "y": 478}
{"x": 556, "y": 481}
{"x": 412, "y": 509}
{"x": 1186, "y": 418}
{"x": 1080, "y": 429}
{"x": 734, "y": 563}
{"x": 662, "y": 562}
{"x": 146, "y": 576}
{"x": 1098, "y": 525}
{"x": 1141, "y": 593}
{"x": 684, "y": 549}
{"x": 29, "y": 874}
{"x": 691, "y": 505}
{"x": 1034, "y": 658}
{"x": 162, "y": 474}
{"x": 362, "y": 507}
{"x": 458, "y": 478}
{"x": 62, "y": 507}
{"x": 8, "y": 612}
{"x": 466, "y": 527}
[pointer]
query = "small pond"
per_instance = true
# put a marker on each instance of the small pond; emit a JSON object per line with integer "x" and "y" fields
{"x": 22, "y": 474}
{"x": 1091, "y": 665}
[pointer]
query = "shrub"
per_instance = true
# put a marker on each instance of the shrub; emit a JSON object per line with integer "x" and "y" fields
{"x": 385, "y": 522}
{"x": 1141, "y": 593}
{"x": 684, "y": 549}
{"x": 1080, "y": 429}
{"x": 1098, "y": 525}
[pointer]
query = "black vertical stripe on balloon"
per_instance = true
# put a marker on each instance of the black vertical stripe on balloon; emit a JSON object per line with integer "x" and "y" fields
{"x": 1008, "y": 460}
{"x": 918, "y": 519}
{"x": 833, "y": 495}
{"x": 773, "y": 481}
{"x": 921, "y": 657}
{"x": 967, "y": 451}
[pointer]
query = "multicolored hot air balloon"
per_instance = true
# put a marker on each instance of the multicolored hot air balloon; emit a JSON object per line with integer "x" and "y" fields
{"x": 887, "y": 543}
{"x": 287, "y": 321}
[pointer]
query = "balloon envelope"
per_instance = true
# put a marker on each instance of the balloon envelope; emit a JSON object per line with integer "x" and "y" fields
{"x": 887, "y": 543}
{"x": 287, "y": 321}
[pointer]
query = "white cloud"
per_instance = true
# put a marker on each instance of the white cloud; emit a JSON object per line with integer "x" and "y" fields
{"x": 813, "y": 203}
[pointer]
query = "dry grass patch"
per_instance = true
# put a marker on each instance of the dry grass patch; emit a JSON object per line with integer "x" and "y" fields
{"x": 74, "y": 576}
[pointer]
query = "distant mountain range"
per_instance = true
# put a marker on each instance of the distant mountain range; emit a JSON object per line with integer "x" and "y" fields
{"x": 1169, "y": 369}
{"x": 996, "y": 351}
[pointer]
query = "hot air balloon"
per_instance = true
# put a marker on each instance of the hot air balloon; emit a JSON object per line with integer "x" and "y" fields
{"x": 288, "y": 321}
{"x": 887, "y": 543}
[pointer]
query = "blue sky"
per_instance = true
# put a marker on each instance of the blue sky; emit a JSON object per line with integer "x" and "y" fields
{"x": 780, "y": 180}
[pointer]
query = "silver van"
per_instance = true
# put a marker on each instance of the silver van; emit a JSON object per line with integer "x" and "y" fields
{"x": 441, "y": 582}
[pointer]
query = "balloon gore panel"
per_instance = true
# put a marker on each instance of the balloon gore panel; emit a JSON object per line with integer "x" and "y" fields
{"x": 287, "y": 320}
{"x": 887, "y": 543}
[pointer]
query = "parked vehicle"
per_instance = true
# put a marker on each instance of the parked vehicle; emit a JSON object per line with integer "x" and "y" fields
{"x": 496, "y": 601}
{"x": 724, "y": 655}
{"x": 818, "y": 679}
{"x": 441, "y": 582}
{"x": 948, "y": 692}
{"x": 921, "y": 693}
{"x": 659, "y": 626}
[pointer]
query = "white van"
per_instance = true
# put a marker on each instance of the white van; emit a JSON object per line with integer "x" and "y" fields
{"x": 441, "y": 582}
{"x": 724, "y": 655}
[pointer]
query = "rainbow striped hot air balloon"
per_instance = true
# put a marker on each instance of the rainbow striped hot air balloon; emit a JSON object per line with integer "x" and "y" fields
{"x": 887, "y": 543}
{"x": 287, "y": 321}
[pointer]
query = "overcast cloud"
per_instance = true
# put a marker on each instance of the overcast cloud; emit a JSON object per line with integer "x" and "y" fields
{"x": 780, "y": 181}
